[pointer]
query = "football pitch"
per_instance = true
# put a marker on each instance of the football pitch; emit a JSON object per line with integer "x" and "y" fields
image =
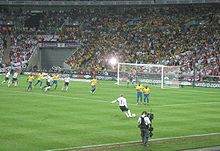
{"x": 37, "y": 121}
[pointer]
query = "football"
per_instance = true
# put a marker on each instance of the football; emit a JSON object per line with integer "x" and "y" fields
{"x": 133, "y": 115}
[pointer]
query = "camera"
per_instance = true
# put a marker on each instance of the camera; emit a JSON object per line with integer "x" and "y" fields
{"x": 151, "y": 117}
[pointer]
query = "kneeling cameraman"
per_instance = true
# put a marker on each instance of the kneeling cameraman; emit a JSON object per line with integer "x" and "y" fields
{"x": 143, "y": 124}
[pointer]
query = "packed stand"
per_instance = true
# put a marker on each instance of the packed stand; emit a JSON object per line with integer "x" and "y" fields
{"x": 159, "y": 35}
{"x": 169, "y": 35}
{"x": 20, "y": 39}
{"x": 22, "y": 45}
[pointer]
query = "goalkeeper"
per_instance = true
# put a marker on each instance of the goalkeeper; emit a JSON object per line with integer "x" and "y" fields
{"x": 130, "y": 80}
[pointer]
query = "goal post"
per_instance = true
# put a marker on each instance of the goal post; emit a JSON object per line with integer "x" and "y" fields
{"x": 158, "y": 75}
{"x": 171, "y": 77}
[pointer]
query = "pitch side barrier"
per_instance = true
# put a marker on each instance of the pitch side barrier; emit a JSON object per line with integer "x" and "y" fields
{"x": 113, "y": 77}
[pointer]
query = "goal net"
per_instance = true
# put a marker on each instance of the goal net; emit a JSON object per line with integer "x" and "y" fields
{"x": 158, "y": 75}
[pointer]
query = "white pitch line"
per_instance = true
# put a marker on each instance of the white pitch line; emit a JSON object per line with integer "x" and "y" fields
{"x": 177, "y": 90}
{"x": 182, "y": 90}
{"x": 128, "y": 142}
{"x": 180, "y": 104}
{"x": 51, "y": 95}
{"x": 105, "y": 101}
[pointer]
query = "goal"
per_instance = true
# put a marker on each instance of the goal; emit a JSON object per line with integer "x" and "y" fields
{"x": 158, "y": 75}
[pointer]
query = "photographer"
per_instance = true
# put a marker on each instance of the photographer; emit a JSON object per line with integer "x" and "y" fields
{"x": 144, "y": 124}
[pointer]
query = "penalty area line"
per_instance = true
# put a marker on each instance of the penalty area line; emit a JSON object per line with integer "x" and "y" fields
{"x": 130, "y": 142}
{"x": 100, "y": 100}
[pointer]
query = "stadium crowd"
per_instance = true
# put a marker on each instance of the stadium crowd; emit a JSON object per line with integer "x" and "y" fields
{"x": 20, "y": 40}
{"x": 185, "y": 35}
{"x": 171, "y": 36}
{"x": 1, "y": 51}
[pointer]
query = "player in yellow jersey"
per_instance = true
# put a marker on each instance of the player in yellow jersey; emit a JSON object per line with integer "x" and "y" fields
{"x": 93, "y": 85}
{"x": 30, "y": 80}
{"x": 146, "y": 92}
{"x": 39, "y": 80}
{"x": 139, "y": 89}
{"x": 55, "y": 80}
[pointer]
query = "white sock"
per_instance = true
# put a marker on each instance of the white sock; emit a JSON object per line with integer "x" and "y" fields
{"x": 129, "y": 113}
{"x": 9, "y": 83}
{"x": 66, "y": 88}
{"x": 126, "y": 114}
{"x": 47, "y": 88}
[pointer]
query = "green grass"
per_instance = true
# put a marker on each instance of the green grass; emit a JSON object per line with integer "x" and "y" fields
{"x": 38, "y": 121}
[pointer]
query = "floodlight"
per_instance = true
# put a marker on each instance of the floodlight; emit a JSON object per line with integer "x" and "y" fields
{"x": 113, "y": 61}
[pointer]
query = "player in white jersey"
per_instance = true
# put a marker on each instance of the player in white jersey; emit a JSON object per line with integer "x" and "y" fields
{"x": 49, "y": 79}
{"x": 66, "y": 83}
{"x": 122, "y": 102}
{"x": 7, "y": 76}
{"x": 14, "y": 79}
